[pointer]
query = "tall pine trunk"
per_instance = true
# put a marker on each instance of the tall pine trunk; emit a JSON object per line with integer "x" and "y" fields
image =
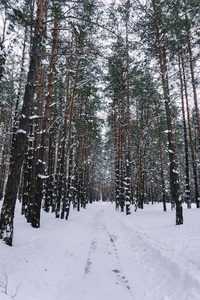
{"x": 161, "y": 158}
{"x": 15, "y": 125}
{"x": 174, "y": 176}
{"x": 194, "y": 86}
{"x": 121, "y": 138}
{"x": 41, "y": 175}
{"x": 194, "y": 164}
{"x": 20, "y": 142}
{"x": 116, "y": 150}
{"x": 128, "y": 151}
{"x": 187, "y": 178}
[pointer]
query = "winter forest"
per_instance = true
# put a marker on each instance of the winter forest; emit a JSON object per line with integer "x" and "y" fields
{"x": 100, "y": 124}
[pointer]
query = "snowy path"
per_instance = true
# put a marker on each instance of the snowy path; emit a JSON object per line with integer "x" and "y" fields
{"x": 101, "y": 254}
{"x": 104, "y": 277}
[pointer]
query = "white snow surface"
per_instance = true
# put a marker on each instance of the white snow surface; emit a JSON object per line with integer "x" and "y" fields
{"x": 102, "y": 254}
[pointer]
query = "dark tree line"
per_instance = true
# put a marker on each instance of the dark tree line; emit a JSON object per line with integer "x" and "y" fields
{"x": 57, "y": 130}
{"x": 163, "y": 46}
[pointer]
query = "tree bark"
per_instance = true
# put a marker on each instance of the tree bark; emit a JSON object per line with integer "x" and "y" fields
{"x": 116, "y": 150}
{"x": 15, "y": 125}
{"x": 194, "y": 86}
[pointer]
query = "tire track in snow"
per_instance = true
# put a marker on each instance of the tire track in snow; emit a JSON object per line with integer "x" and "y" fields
{"x": 120, "y": 273}
{"x": 93, "y": 246}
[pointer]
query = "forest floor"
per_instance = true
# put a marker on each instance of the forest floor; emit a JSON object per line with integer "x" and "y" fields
{"x": 102, "y": 254}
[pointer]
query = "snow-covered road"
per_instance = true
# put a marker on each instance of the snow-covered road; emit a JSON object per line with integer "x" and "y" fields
{"x": 104, "y": 277}
{"x": 102, "y": 254}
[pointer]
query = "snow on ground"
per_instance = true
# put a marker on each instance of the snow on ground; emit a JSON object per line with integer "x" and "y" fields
{"x": 102, "y": 254}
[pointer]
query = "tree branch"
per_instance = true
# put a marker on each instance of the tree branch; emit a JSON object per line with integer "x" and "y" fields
{"x": 91, "y": 22}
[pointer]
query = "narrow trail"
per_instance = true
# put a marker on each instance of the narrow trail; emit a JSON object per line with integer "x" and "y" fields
{"x": 104, "y": 277}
